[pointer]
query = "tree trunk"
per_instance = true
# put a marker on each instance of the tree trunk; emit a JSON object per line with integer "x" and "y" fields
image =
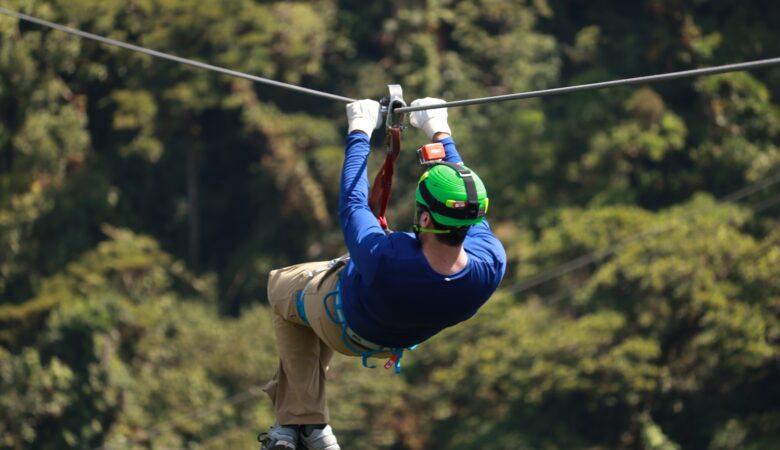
{"x": 193, "y": 207}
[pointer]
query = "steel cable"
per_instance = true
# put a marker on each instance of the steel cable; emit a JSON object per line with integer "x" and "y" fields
{"x": 750, "y": 65}
{"x": 601, "y": 85}
{"x": 178, "y": 59}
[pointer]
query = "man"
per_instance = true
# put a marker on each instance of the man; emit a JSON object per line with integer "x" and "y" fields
{"x": 394, "y": 291}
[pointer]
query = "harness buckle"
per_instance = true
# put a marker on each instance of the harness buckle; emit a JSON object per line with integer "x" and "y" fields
{"x": 392, "y": 361}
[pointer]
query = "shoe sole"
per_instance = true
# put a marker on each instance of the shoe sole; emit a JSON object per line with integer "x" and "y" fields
{"x": 283, "y": 446}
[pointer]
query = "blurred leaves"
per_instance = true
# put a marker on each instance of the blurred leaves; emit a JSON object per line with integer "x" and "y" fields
{"x": 666, "y": 338}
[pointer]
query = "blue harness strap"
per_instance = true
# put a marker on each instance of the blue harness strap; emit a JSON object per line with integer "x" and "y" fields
{"x": 337, "y": 317}
{"x": 301, "y": 309}
{"x": 300, "y": 304}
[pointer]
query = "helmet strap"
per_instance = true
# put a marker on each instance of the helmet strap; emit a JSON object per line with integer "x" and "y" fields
{"x": 418, "y": 229}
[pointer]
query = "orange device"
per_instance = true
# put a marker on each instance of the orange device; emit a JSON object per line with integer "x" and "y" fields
{"x": 431, "y": 153}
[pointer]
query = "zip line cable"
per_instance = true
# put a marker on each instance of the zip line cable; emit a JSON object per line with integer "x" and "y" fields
{"x": 738, "y": 67}
{"x": 750, "y": 65}
{"x": 178, "y": 59}
{"x": 595, "y": 256}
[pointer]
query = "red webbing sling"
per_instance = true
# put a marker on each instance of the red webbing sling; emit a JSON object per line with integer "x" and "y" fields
{"x": 379, "y": 196}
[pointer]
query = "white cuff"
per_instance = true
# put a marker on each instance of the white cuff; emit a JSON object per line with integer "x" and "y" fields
{"x": 436, "y": 125}
{"x": 362, "y": 124}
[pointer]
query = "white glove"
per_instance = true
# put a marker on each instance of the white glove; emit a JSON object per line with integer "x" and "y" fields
{"x": 363, "y": 115}
{"x": 431, "y": 121}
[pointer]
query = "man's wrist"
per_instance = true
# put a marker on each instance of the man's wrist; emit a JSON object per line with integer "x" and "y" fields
{"x": 440, "y": 135}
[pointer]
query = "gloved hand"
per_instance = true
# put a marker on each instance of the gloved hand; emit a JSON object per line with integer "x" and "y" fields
{"x": 431, "y": 121}
{"x": 363, "y": 115}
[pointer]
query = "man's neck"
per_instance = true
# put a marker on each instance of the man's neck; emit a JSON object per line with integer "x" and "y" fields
{"x": 442, "y": 258}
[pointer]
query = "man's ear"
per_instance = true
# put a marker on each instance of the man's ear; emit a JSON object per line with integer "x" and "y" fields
{"x": 425, "y": 219}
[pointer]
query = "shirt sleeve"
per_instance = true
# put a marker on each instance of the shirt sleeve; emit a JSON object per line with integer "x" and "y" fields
{"x": 480, "y": 239}
{"x": 365, "y": 239}
{"x": 450, "y": 152}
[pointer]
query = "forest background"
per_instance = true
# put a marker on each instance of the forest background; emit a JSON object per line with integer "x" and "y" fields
{"x": 142, "y": 204}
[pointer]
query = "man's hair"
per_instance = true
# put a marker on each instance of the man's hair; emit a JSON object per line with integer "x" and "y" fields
{"x": 456, "y": 235}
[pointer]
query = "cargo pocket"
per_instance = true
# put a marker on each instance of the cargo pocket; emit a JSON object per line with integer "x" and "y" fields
{"x": 283, "y": 287}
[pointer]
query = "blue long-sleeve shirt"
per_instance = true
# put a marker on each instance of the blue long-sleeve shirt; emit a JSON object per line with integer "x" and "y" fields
{"x": 391, "y": 295}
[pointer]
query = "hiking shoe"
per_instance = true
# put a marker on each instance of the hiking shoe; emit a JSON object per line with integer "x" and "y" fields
{"x": 280, "y": 438}
{"x": 319, "y": 438}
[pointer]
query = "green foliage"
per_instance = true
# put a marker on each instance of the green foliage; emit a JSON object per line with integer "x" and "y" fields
{"x": 30, "y": 392}
{"x": 744, "y": 141}
{"x": 143, "y": 202}
{"x": 631, "y": 153}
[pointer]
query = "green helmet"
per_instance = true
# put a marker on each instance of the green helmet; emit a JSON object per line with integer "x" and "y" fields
{"x": 454, "y": 195}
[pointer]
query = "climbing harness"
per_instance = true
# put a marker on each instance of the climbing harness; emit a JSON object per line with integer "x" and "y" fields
{"x": 348, "y": 335}
{"x": 379, "y": 196}
{"x": 336, "y": 315}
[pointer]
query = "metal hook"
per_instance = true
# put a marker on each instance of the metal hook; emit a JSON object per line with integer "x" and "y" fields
{"x": 394, "y": 100}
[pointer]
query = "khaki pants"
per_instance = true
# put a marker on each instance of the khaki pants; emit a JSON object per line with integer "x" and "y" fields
{"x": 298, "y": 388}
